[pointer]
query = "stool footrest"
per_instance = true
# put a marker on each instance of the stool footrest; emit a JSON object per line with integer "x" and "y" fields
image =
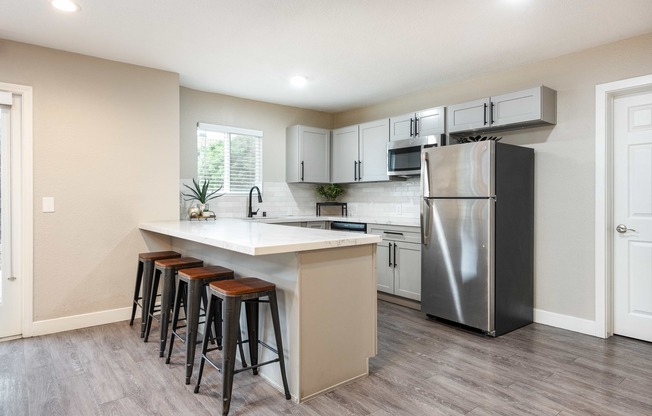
{"x": 251, "y": 367}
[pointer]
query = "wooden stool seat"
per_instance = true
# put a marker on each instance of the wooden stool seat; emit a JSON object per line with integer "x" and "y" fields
{"x": 226, "y": 299}
{"x": 144, "y": 278}
{"x": 244, "y": 286}
{"x": 158, "y": 255}
{"x": 207, "y": 272}
{"x": 166, "y": 269}
{"x": 192, "y": 285}
{"x": 178, "y": 262}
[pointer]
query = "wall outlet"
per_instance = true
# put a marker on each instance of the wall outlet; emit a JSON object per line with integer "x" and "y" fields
{"x": 398, "y": 209}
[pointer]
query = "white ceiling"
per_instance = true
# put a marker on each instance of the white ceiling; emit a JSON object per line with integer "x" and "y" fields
{"x": 353, "y": 52}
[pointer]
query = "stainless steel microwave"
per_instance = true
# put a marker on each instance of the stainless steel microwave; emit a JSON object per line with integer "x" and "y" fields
{"x": 404, "y": 156}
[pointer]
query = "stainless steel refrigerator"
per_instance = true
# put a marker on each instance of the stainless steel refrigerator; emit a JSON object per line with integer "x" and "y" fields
{"x": 477, "y": 229}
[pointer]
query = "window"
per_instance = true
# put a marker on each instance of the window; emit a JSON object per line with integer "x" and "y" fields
{"x": 229, "y": 156}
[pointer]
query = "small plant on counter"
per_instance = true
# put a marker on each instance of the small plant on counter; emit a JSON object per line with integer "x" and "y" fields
{"x": 200, "y": 193}
{"x": 330, "y": 192}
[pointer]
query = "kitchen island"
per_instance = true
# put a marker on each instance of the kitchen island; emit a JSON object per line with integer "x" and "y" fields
{"x": 326, "y": 284}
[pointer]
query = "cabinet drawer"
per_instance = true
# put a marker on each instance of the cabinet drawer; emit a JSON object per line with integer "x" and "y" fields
{"x": 396, "y": 232}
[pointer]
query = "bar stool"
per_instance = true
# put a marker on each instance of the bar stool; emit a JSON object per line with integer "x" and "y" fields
{"x": 144, "y": 275}
{"x": 167, "y": 270}
{"x": 233, "y": 293}
{"x": 192, "y": 287}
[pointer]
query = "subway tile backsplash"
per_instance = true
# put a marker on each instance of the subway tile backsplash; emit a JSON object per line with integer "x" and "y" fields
{"x": 280, "y": 199}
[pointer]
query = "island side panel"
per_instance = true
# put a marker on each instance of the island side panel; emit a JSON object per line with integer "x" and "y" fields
{"x": 338, "y": 316}
{"x": 280, "y": 269}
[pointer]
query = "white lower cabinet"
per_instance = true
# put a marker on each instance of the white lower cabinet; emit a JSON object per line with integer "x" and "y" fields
{"x": 398, "y": 260}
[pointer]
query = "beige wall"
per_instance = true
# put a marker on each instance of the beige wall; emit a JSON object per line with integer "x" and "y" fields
{"x": 564, "y": 269}
{"x": 106, "y": 147}
{"x": 272, "y": 119}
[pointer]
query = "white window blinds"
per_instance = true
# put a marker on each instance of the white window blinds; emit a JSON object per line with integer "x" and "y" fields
{"x": 229, "y": 156}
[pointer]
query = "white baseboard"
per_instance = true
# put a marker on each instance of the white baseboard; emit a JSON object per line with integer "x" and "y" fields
{"x": 570, "y": 323}
{"x": 68, "y": 323}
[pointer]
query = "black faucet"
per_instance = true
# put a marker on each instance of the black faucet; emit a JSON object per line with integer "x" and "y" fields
{"x": 250, "y": 212}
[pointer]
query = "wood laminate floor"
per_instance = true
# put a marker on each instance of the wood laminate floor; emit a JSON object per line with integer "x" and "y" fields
{"x": 422, "y": 368}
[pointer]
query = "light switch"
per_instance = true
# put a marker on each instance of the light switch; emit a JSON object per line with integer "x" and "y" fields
{"x": 48, "y": 204}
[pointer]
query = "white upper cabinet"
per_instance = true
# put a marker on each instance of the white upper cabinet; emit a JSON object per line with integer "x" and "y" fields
{"x": 307, "y": 154}
{"x": 345, "y": 154}
{"x": 360, "y": 152}
{"x": 419, "y": 124}
{"x": 534, "y": 106}
{"x": 372, "y": 166}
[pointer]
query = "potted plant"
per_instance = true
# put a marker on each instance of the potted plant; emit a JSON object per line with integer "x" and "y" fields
{"x": 330, "y": 192}
{"x": 201, "y": 194}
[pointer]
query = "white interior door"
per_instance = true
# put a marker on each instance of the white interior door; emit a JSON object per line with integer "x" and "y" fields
{"x": 10, "y": 286}
{"x": 633, "y": 216}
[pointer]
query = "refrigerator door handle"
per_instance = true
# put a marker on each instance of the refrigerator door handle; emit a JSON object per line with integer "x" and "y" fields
{"x": 425, "y": 175}
{"x": 425, "y": 221}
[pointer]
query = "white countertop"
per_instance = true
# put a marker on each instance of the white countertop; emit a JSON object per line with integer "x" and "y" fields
{"x": 258, "y": 238}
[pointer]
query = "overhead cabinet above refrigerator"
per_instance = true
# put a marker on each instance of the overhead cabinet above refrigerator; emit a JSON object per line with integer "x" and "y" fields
{"x": 531, "y": 107}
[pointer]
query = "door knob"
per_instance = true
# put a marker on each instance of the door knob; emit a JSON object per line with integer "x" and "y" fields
{"x": 622, "y": 228}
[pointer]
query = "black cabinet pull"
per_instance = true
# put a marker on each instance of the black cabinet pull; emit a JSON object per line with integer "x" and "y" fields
{"x": 395, "y": 263}
{"x": 485, "y": 113}
{"x": 390, "y": 254}
{"x": 491, "y": 114}
{"x": 416, "y": 126}
{"x": 392, "y": 232}
{"x": 411, "y": 126}
{"x": 359, "y": 170}
{"x": 355, "y": 170}
{"x": 302, "y": 171}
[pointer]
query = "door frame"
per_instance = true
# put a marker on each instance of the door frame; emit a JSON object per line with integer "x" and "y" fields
{"x": 605, "y": 94}
{"x": 25, "y": 238}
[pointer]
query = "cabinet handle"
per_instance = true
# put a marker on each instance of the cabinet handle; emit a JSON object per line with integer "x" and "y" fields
{"x": 395, "y": 263}
{"x": 416, "y": 126}
{"x": 355, "y": 170}
{"x": 491, "y": 114}
{"x": 485, "y": 114}
{"x": 411, "y": 126}
{"x": 359, "y": 170}
{"x": 389, "y": 246}
{"x": 392, "y": 232}
{"x": 302, "y": 171}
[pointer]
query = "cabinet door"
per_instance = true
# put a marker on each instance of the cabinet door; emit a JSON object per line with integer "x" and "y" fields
{"x": 431, "y": 122}
{"x": 345, "y": 155}
{"x": 317, "y": 225}
{"x": 471, "y": 115}
{"x": 516, "y": 107}
{"x": 315, "y": 151}
{"x": 373, "y": 151}
{"x": 384, "y": 272}
{"x": 407, "y": 270}
{"x": 401, "y": 127}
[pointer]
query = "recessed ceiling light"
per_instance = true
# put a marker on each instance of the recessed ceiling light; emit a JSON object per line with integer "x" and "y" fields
{"x": 66, "y": 5}
{"x": 298, "y": 81}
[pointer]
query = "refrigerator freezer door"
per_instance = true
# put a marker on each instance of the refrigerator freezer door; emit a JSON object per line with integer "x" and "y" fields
{"x": 457, "y": 265}
{"x": 460, "y": 171}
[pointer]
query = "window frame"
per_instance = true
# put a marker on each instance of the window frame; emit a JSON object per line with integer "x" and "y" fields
{"x": 228, "y": 131}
